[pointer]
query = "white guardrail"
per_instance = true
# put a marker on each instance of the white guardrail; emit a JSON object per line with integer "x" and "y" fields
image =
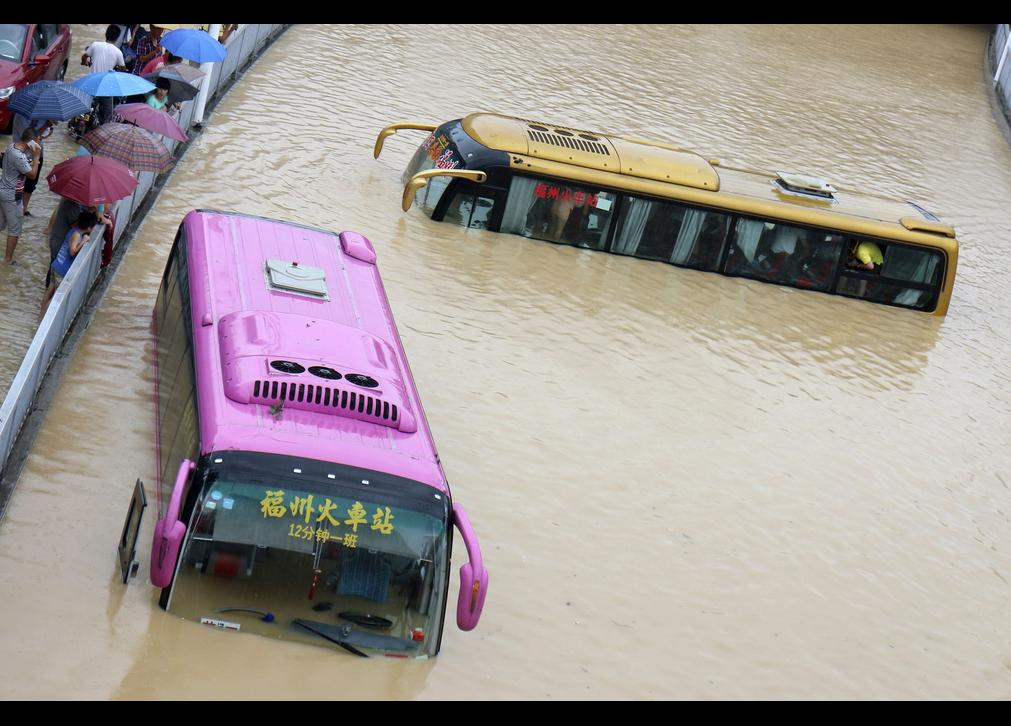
{"x": 1000, "y": 47}
{"x": 73, "y": 291}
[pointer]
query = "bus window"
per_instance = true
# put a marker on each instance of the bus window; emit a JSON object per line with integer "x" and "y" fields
{"x": 884, "y": 292}
{"x": 912, "y": 265}
{"x": 784, "y": 254}
{"x": 469, "y": 210}
{"x": 649, "y": 229}
{"x": 265, "y": 540}
{"x": 177, "y": 427}
{"x": 884, "y": 283}
{"x": 431, "y": 193}
{"x": 669, "y": 232}
{"x": 557, "y": 212}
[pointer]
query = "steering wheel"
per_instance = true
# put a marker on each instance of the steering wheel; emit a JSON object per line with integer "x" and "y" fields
{"x": 374, "y": 622}
{"x": 15, "y": 52}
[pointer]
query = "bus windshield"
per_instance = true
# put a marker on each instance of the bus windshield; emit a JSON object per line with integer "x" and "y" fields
{"x": 316, "y": 552}
{"x": 435, "y": 152}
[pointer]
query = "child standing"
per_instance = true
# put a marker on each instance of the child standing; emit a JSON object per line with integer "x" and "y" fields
{"x": 72, "y": 244}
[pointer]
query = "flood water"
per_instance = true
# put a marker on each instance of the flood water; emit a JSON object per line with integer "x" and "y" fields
{"x": 686, "y": 486}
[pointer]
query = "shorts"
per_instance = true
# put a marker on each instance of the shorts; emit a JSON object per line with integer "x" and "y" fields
{"x": 11, "y": 210}
{"x": 55, "y": 277}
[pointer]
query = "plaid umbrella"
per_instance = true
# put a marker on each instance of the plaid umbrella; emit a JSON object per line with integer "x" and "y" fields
{"x": 130, "y": 144}
{"x": 54, "y": 100}
{"x": 152, "y": 119}
{"x": 113, "y": 83}
{"x": 194, "y": 45}
{"x": 91, "y": 180}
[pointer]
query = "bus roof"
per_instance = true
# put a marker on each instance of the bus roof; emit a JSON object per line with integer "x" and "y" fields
{"x": 296, "y": 350}
{"x": 656, "y": 168}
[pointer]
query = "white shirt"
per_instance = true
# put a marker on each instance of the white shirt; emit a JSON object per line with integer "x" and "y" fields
{"x": 104, "y": 56}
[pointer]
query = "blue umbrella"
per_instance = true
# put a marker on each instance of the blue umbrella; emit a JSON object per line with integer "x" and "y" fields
{"x": 113, "y": 83}
{"x": 54, "y": 100}
{"x": 194, "y": 45}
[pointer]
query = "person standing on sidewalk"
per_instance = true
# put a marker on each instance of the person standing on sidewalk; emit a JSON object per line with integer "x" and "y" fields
{"x": 148, "y": 48}
{"x": 104, "y": 57}
{"x": 20, "y": 159}
{"x": 43, "y": 129}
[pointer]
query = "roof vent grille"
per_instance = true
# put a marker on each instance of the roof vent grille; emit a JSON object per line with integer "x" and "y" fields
{"x": 324, "y": 398}
{"x": 567, "y": 140}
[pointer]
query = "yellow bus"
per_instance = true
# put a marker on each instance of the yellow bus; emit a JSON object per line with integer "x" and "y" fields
{"x": 660, "y": 202}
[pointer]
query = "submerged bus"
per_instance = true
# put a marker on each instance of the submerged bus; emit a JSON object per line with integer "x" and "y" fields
{"x": 300, "y": 495}
{"x": 661, "y": 202}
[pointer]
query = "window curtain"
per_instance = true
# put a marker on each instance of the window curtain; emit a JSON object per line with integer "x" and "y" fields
{"x": 687, "y": 236}
{"x": 633, "y": 225}
{"x": 748, "y": 233}
{"x": 521, "y": 199}
{"x": 912, "y": 265}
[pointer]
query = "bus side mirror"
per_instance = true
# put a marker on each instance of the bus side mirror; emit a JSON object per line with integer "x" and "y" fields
{"x": 420, "y": 180}
{"x": 473, "y": 575}
{"x": 169, "y": 531}
{"x": 410, "y": 191}
{"x": 394, "y": 128}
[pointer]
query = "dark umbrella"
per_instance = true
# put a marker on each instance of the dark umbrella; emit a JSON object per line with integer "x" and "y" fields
{"x": 91, "y": 180}
{"x": 129, "y": 144}
{"x": 179, "y": 90}
{"x": 54, "y": 100}
{"x": 182, "y": 72}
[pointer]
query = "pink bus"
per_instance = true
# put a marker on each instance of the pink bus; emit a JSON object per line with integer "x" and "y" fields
{"x": 300, "y": 495}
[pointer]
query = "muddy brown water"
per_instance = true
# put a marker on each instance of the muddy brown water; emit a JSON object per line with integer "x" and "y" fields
{"x": 685, "y": 485}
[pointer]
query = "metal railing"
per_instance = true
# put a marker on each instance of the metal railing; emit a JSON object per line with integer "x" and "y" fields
{"x": 1000, "y": 59}
{"x": 72, "y": 293}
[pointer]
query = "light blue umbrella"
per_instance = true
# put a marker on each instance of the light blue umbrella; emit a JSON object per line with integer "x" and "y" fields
{"x": 54, "y": 100}
{"x": 113, "y": 83}
{"x": 194, "y": 45}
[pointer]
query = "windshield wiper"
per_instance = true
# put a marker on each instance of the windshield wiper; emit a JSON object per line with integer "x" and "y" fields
{"x": 326, "y": 631}
{"x": 347, "y": 637}
{"x": 265, "y": 615}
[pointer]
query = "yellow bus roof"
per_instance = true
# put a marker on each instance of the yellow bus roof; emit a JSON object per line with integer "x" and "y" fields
{"x": 658, "y": 169}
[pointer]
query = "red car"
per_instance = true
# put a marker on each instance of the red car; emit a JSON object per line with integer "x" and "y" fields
{"x": 30, "y": 53}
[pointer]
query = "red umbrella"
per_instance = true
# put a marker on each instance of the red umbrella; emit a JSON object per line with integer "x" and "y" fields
{"x": 91, "y": 180}
{"x": 132, "y": 145}
{"x": 152, "y": 119}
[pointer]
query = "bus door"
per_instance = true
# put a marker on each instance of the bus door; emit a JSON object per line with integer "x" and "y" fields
{"x": 473, "y": 205}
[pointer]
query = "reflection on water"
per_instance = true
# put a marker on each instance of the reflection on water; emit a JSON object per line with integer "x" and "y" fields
{"x": 685, "y": 484}
{"x": 743, "y": 321}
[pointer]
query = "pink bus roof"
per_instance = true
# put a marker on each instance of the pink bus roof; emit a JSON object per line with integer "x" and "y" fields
{"x": 267, "y": 294}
